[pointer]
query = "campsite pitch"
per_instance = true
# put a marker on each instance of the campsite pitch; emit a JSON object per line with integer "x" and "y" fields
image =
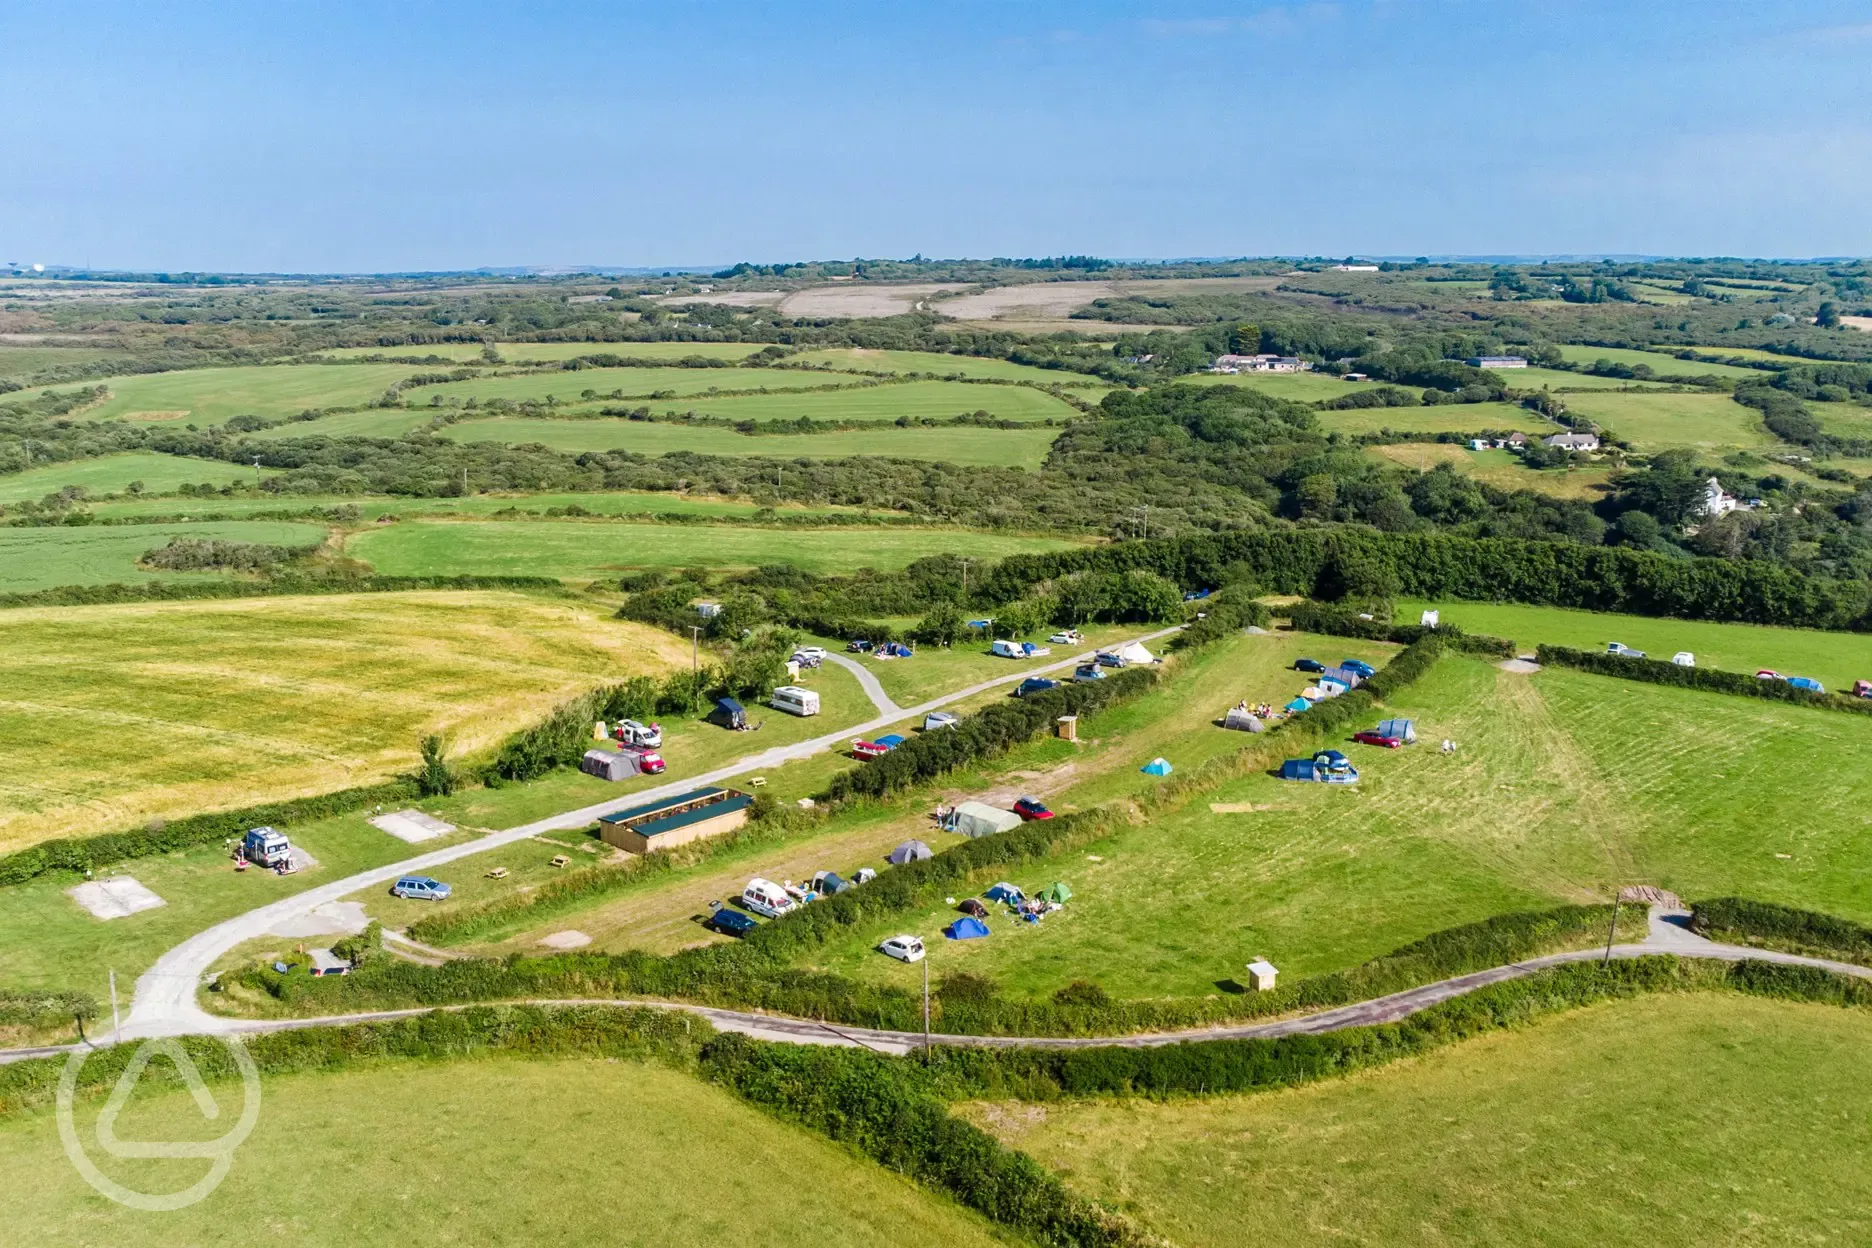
{"x": 1565, "y": 1133}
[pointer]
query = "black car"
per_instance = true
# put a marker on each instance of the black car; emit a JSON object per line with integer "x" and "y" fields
{"x": 729, "y": 922}
{"x": 1309, "y": 665}
{"x": 1034, "y": 684}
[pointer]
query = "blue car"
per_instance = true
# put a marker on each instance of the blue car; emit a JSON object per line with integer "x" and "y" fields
{"x": 1360, "y": 666}
{"x": 1309, "y": 665}
{"x": 729, "y": 922}
{"x": 1034, "y": 684}
{"x": 421, "y": 888}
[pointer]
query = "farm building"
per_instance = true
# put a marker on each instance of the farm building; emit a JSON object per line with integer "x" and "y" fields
{"x": 1574, "y": 441}
{"x": 974, "y": 819}
{"x": 691, "y": 816}
{"x": 1496, "y": 361}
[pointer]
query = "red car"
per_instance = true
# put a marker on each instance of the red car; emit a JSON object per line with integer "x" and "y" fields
{"x": 649, "y": 762}
{"x": 1369, "y": 737}
{"x": 1032, "y": 808}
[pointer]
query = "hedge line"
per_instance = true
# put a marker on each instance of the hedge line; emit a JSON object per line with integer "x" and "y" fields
{"x": 1712, "y": 680}
{"x": 44, "y": 1010}
{"x": 179, "y": 591}
{"x": 1336, "y": 621}
{"x": 1224, "y": 614}
{"x": 85, "y": 853}
{"x": 1339, "y": 562}
{"x": 1740, "y": 921}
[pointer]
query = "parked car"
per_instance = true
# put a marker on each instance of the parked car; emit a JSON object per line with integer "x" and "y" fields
{"x": 421, "y": 888}
{"x": 1031, "y": 808}
{"x": 1067, "y": 637}
{"x": 806, "y": 661}
{"x": 1308, "y": 665}
{"x": 649, "y": 762}
{"x": 630, "y": 732}
{"x": 815, "y": 653}
{"x": 903, "y": 948}
{"x": 1359, "y": 667}
{"x": 729, "y": 922}
{"x": 939, "y": 719}
{"x": 1683, "y": 658}
{"x": 1372, "y": 736}
{"x": 1111, "y": 658}
{"x": 858, "y": 647}
{"x": 1768, "y": 673}
{"x": 868, "y": 750}
{"x": 266, "y": 847}
{"x": 1624, "y": 652}
{"x": 1087, "y": 672}
{"x": 1862, "y": 688}
{"x": 1034, "y": 684}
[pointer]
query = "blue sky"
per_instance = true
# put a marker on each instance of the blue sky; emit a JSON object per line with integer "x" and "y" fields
{"x": 349, "y": 137}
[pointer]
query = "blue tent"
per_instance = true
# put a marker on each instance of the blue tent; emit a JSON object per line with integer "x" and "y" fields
{"x": 1298, "y": 705}
{"x": 1004, "y": 893}
{"x": 890, "y": 741}
{"x": 728, "y": 713}
{"x": 1157, "y": 767}
{"x": 966, "y": 928}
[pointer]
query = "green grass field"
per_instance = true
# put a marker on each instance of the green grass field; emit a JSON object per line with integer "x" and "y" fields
{"x": 1000, "y": 448}
{"x": 495, "y": 1151}
{"x": 1501, "y": 469}
{"x": 210, "y": 705}
{"x": 1835, "y": 659}
{"x": 1729, "y": 1120}
{"x": 17, "y": 361}
{"x": 1302, "y": 387}
{"x": 367, "y": 422}
{"x": 522, "y": 352}
{"x": 1560, "y": 379}
{"x": 1670, "y": 419}
{"x": 209, "y": 396}
{"x": 1564, "y": 785}
{"x": 864, "y": 359}
{"x": 614, "y": 503}
{"x": 160, "y": 474}
{"x": 567, "y": 387}
{"x": 1844, "y": 420}
{"x": 916, "y": 399}
{"x": 1659, "y": 361}
{"x": 585, "y": 549}
{"x": 1444, "y": 418}
{"x": 43, "y": 558}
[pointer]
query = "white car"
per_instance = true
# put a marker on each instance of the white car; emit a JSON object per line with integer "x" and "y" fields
{"x": 649, "y": 736}
{"x": 903, "y": 948}
{"x": 938, "y": 719}
{"x": 766, "y": 898}
{"x": 813, "y": 652}
{"x": 1067, "y": 637}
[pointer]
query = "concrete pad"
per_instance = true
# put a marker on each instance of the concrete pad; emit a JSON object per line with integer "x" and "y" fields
{"x": 115, "y": 898}
{"x": 412, "y": 826}
{"x": 1520, "y": 667}
{"x": 566, "y": 940}
{"x": 334, "y": 918}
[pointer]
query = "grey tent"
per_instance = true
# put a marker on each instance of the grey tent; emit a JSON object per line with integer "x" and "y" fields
{"x": 608, "y": 764}
{"x": 1245, "y": 721}
{"x": 909, "y": 851}
{"x": 1403, "y": 729}
{"x": 973, "y": 819}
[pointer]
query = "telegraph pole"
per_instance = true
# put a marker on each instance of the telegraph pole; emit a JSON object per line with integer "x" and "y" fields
{"x": 926, "y": 1025}
{"x": 1613, "y": 930}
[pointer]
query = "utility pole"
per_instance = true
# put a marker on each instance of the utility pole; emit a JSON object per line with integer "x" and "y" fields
{"x": 256, "y": 470}
{"x": 1613, "y": 930}
{"x": 965, "y": 561}
{"x": 926, "y": 1026}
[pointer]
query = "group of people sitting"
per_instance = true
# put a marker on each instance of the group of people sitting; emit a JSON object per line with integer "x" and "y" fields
{"x": 1260, "y": 710}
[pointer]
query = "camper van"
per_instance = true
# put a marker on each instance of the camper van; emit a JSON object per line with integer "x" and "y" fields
{"x": 266, "y": 847}
{"x": 764, "y": 897}
{"x": 630, "y": 732}
{"x": 1004, "y": 649}
{"x": 794, "y": 700}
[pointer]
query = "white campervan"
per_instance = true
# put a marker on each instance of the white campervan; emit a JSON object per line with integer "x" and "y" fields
{"x": 767, "y": 898}
{"x": 794, "y": 700}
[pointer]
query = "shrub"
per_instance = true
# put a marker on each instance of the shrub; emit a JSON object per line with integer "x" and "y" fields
{"x": 1738, "y": 920}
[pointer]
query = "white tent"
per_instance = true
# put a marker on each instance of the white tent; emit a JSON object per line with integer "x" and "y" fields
{"x": 1312, "y": 693}
{"x": 974, "y": 819}
{"x": 1136, "y": 653}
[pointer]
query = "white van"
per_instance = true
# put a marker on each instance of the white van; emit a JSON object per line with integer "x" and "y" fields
{"x": 794, "y": 700}
{"x": 767, "y": 898}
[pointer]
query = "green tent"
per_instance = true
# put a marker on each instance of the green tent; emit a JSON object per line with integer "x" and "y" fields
{"x": 1057, "y": 893}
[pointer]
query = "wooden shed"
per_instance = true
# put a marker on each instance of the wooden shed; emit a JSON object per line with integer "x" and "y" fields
{"x": 690, "y": 816}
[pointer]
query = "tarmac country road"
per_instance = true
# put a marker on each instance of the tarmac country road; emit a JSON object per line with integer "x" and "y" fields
{"x": 165, "y": 1004}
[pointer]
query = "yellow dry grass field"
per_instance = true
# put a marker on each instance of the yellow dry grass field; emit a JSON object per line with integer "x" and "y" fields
{"x": 1501, "y": 469}
{"x": 113, "y": 715}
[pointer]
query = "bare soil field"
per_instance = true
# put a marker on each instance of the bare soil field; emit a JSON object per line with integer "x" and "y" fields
{"x": 1032, "y": 307}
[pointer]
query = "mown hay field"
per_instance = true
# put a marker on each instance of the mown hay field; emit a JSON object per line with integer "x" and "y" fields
{"x": 522, "y": 352}
{"x": 111, "y": 715}
{"x": 1732, "y": 1120}
{"x": 1664, "y": 362}
{"x": 607, "y": 503}
{"x": 209, "y": 396}
{"x": 591, "y": 549}
{"x": 1501, "y": 469}
{"x": 1563, "y": 786}
{"x": 1659, "y": 421}
{"x": 1301, "y": 387}
{"x": 42, "y": 558}
{"x": 112, "y": 474}
{"x": 963, "y": 444}
{"x": 918, "y": 400}
{"x": 492, "y": 1151}
{"x": 566, "y": 387}
{"x": 872, "y": 360}
{"x": 1443, "y": 418}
